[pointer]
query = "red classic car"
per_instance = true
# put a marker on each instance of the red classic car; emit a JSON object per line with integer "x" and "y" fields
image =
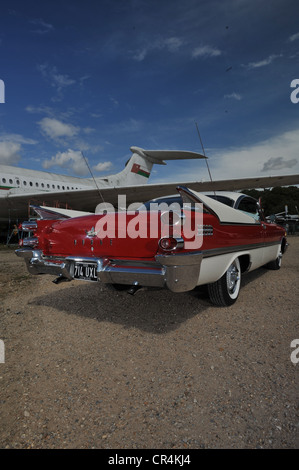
{"x": 177, "y": 242}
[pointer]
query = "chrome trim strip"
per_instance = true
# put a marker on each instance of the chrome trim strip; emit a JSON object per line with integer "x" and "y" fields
{"x": 231, "y": 249}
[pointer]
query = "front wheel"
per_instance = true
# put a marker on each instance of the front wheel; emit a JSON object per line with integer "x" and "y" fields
{"x": 225, "y": 291}
{"x": 276, "y": 264}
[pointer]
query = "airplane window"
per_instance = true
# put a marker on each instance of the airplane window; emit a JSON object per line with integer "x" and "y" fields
{"x": 62, "y": 187}
{"x": 67, "y": 187}
{"x": 24, "y": 183}
{"x": 10, "y": 181}
{"x": 36, "y": 184}
{"x": 18, "y": 181}
{"x": 53, "y": 186}
{"x": 58, "y": 187}
{"x": 30, "y": 183}
{"x": 3, "y": 180}
{"x": 48, "y": 185}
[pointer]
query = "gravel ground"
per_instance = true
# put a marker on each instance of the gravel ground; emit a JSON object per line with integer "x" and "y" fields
{"x": 86, "y": 367}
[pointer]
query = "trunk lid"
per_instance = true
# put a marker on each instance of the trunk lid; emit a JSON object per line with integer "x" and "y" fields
{"x": 109, "y": 235}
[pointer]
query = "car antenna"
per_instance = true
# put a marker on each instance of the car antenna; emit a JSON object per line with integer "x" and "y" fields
{"x": 204, "y": 153}
{"x": 86, "y": 161}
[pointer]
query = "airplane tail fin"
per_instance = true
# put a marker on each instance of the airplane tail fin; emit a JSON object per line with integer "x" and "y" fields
{"x": 138, "y": 168}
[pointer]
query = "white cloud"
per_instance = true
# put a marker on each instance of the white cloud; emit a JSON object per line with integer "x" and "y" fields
{"x": 274, "y": 156}
{"x": 9, "y": 153}
{"x": 88, "y": 130}
{"x": 140, "y": 55}
{"x": 38, "y": 109}
{"x": 294, "y": 37}
{"x": 127, "y": 126}
{"x": 172, "y": 44}
{"x": 114, "y": 101}
{"x": 235, "y": 96}
{"x": 72, "y": 160}
{"x": 41, "y": 26}
{"x": 279, "y": 163}
{"x": 104, "y": 166}
{"x": 264, "y": 62}
{"x": 17, "y": 138}
{"x": 57, "y": 80}
{"x": 60, "y": 80}
{"x": 11, "y": 147}
{"x": 205, "y": 51}
{"x": 56, "y": 129}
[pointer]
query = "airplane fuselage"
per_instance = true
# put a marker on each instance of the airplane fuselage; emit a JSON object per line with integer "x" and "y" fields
{"x": 21, "y": 181}
{"x": 24, "y": 180}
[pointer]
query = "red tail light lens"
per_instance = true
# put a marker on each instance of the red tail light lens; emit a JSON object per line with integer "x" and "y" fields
{"x": 170, "y": 243}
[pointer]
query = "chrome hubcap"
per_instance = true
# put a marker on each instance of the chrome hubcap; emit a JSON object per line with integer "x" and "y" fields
{"x": 232, "y": 278}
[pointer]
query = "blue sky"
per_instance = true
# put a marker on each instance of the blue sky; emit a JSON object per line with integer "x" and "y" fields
{"x": 101, "y": 76}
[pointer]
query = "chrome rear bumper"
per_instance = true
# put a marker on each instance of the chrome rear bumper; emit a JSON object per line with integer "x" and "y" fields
{"x": 179, "y": 271}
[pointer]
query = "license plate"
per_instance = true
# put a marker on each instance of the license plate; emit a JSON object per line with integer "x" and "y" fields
{"x": 86, "y": 271}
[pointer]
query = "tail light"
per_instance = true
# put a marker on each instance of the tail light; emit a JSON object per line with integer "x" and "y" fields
{"x": 29, "y": 226}
{"x": 29, "y": 241}
{"x": 170, "y": 243}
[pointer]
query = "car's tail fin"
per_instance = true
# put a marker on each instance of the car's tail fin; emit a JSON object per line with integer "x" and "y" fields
{"x": 138, "y": 168}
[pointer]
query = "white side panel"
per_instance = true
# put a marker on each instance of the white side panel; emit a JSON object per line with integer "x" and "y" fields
{"x": 214, "y": 267}
{"x": 271, "y": 253}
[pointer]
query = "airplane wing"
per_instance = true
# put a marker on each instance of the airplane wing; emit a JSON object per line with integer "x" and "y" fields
{"x": 88, "y": 199}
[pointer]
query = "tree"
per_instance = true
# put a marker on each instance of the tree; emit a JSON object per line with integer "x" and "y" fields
{"x": 274, "y": 200}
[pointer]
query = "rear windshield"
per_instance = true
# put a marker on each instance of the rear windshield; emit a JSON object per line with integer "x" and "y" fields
{"x": 225, "y": 200}
{"x": 173, "y": 203}
{"x": 165, "y": 200}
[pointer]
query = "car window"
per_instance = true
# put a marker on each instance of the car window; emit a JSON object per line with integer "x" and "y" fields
{"x": 172, "y": 202}
{"x": 249, "y": 207}
{"x": 225, "y": 200}
{"x": 165, "y": 200}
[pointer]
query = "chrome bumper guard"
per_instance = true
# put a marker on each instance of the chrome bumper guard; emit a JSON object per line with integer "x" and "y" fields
{"x": 178, "y": 271}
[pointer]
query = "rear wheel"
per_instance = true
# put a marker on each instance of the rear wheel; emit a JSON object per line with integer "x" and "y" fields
{"x": 225, "y": 291}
